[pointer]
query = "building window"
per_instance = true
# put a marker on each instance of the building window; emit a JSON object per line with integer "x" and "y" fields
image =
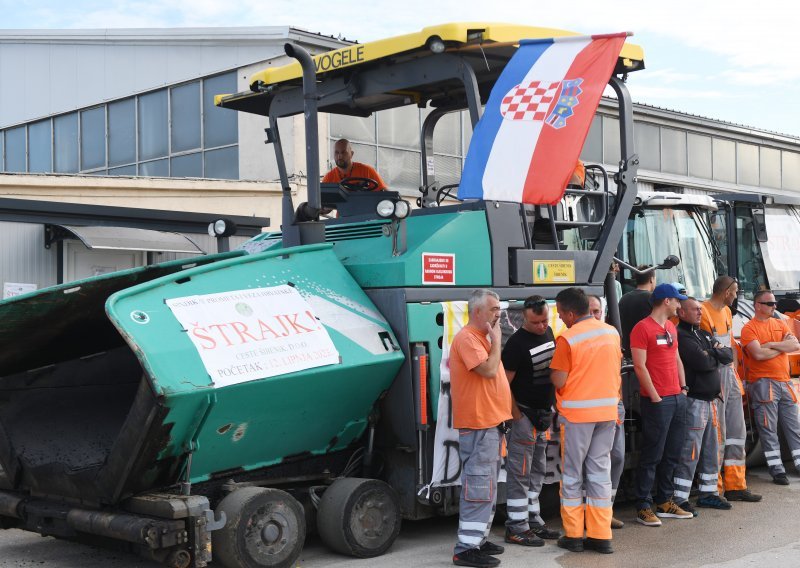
{"x": 220, "y": 126}
{"x": 15, "y": 149}
{"x": 40, "y": 143}
{"x": 122, "y": 133}
{"x": 770, "y": 167}
{"x": 187, "y": 165}
{"x": 592, "y": 152}
{"x": 790, "y": 169}
{"x": 746, "y": 164}
{"x": 65, "y": 141}
{"x": 2, "y": 151}
{"x": 93, "y": 138}
{"x": 153, "y": 126}
{"x": 648, "y": 145}
{"x": 699, "y": 156}
{"x": 185, "y": 118}
{"x": 611, "y": 150}
{"x": 222, "y": 163}
{"x": 155, "y": 168}
{"x": 724, "y": 160}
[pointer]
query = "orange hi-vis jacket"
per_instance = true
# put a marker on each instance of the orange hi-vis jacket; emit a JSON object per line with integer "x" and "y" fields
{"x": 591, "y": 354}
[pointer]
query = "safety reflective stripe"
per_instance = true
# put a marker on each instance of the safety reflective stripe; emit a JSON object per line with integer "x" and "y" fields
{"x": 707, "y": 488}
{"x": 534, "y": 508}
{"x": 591, "y": 403}
{"x": 734, "y": 442}
{"x": 571, "y": 502}
{"x": 684, "y": 482}
{"x": 681, "y": 494}
{"x": 733, "y": 462}
{"x": 476, "y": 540}
{"x": 598, "y": 477}
{"x": 471, "y": 526}
{"x": 772, "y": 453}
{"x": 516, "y": 502}
{"x": 595, "y": 502}
{"x": 774, "y": 462}
{"x": 517, "y": 515}
{"x": 575, "y": 339}
{"x": 533, "y": 494}
{"x": 708, "y": 476}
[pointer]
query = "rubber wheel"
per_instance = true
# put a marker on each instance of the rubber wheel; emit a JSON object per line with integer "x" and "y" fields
{"x": 359, "y": 517}
{"x": 265, "y": 528}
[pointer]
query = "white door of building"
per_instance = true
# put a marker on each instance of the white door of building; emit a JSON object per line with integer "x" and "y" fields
{"x": 81, "y": 262}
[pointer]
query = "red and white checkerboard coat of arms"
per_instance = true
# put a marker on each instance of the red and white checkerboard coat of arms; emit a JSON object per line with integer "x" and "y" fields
{"x": 529, "y": 102}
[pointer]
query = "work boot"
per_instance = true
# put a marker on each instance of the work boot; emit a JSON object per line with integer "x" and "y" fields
{"x": 527, "y": 538}
{"x": 492, "y": 548}
{"x": 714, "y": 502}
{"x": 598, "y": 545}
{"x": 742, "y": 495}
{"x": 688, "y": 507}
{"x": 670, "y": 510}
{"x": 570, "y": 543}
{"x": 543, "y": 532}
{"x": 780, "y": 479}
{"x": 616, "y": 523}
{"x": 475, "y": 558}
{"x": 647, "y": 518}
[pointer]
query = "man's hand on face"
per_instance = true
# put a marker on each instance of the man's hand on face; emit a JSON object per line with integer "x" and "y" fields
{"x": 493, "y": 331}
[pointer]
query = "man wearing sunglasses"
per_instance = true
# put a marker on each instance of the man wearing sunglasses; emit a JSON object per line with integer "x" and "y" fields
{"x": 662, "y": 386}
{"x": 766, "y": 341}
{"x": 526, "y": 359}
{"x": 718, "y": 321}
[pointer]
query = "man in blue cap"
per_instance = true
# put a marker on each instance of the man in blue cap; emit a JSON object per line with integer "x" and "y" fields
{"x": 662, "y": 389}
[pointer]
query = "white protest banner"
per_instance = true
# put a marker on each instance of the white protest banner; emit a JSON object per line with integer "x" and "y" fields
{"x": 245, "y": 335}
{"x": 13, "y": 289}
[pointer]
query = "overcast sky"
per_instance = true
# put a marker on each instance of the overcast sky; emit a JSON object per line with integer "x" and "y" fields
{"x": 733, "y": 60}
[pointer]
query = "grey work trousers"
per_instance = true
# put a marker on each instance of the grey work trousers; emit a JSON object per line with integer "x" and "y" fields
{"x": 479, "y": 451}
{"x": 618, "y": 450}
{"x": 700, "y": 451}
{"x": 525, "y": 471}
{"x": 732, "y": 430}
{"x": 773, "y": 402}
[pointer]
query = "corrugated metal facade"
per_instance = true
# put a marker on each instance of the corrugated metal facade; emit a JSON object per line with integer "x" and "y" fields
{"x": 23, "y": 258}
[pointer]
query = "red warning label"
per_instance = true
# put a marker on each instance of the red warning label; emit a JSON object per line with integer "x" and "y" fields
{"x": 438, "y": 268}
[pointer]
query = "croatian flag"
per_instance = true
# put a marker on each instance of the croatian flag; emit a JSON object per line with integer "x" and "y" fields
{"x": 526, "y": 144}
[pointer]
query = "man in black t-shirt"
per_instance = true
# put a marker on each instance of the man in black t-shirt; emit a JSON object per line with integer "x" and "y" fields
{"x": 635, "y": 305}
{"x": 526, "y": 358}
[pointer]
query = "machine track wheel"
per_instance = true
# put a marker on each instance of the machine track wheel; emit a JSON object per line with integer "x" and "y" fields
{"x": 359, "y": 517}
{"x": 266, "y": 528}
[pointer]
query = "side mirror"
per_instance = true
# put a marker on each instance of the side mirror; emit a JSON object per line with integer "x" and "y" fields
{"x": 670, "y": 262}
{"x": 760, "y": 225}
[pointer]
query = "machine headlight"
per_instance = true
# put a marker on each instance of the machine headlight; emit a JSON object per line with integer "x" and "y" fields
{"x": 385, "y": 208}
{"x": 402, "y": 209}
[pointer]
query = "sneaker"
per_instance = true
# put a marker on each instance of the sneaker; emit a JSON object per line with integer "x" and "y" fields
{"x": 688, "y": 507}
{"x": 543, "y": 532}
{"x": 474, "y": 557}
{"x": 570, "y": 543}
{"x": 616, "y": 523}
{"x": 670, "y": 510}
{"x": 598, "y": 545}
{"x": 714, "y": 502}
{"x": 527, "y": 538}
{"x": 647, "y": 518}
{"x": 780, "y": 479}
{"x": 742, "y": 495}
{"x": 492, "y": 548}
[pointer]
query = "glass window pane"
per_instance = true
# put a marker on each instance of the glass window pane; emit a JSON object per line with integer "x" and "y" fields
{"x": 153, "y": 127}
{"x": 747, "y": 163}
{"x": 448, "y": 170}
{"x": 190, "y": 165}
{"x": 123, "y": 171}
{"x": 446, "y": 135}
{"x": 93, "y": 138}
{"x": 220, "y": 125}
{"x": 158, "y": 168}
{"x": 648, "y": 145}
{"x": 592, "y": 152}
{"x": 354, "y": 128}
{"x": 399, "y": 127}
{"x": 185, "y": 117}
{"x": 40, "y": 144}
{"x": 399, "y": 169}
{"x": 673, "y": 148}
{"x": 15, "y": 149}
{"x": 2, "y": 153}
{"x": 770, "y": 167}
{"x": 65, "y": 137}
{"x": 724, "y": 154}
{"x": 699, "y": 156}
{"x": 611, "y": 151}
{"x": 790, "y": 169}
{"x": 222, "y": 163}
{"x": 122, "y": 132}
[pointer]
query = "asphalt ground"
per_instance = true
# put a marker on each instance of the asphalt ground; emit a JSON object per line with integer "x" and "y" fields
{"x": 749, "y": 535}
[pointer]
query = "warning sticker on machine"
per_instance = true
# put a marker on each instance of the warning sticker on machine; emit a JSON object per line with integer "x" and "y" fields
{"x": 553, "y": 271}
{"x": 245, "y": 335}
{"x": 438, "y": 268}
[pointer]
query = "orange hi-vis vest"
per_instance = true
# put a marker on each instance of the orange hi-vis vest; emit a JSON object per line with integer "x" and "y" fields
{"x": 591, "y": 392}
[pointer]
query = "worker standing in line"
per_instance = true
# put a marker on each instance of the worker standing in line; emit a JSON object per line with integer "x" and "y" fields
{"x": 635, "y": 305}
{"x": 586, "y": 373}
{"x": 766, "y": 341}
{"x": 662, "y": 388}
{"x": 618, "y": 447}
{"x": 526, "y": 360}
{"x": 702, "y": 358}
{"x": 717, "y": 320}
{"x": 481, "y": 400}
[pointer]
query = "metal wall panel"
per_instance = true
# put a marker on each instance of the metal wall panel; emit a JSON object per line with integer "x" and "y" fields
{"x": 23, "y": 258}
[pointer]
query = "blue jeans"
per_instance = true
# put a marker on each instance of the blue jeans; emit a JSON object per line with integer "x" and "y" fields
{"x": 663, "y": 432}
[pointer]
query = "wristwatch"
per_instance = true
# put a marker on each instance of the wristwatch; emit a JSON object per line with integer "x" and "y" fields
{"x": 685, "y": 389}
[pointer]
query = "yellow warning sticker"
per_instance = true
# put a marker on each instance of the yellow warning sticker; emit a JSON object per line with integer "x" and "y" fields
{"x": 553, "y": 271}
